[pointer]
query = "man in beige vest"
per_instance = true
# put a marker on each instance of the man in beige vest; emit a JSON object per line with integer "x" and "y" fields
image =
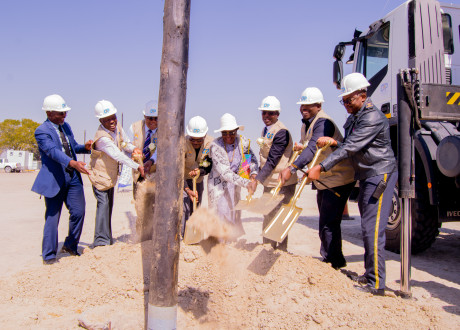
{"x": 197, "y": 144}
{"x": 145, "y": 138}
{"x": 315, "y": 124}
{"x": 106, "y": 153}
{"x": 275, "y": 151}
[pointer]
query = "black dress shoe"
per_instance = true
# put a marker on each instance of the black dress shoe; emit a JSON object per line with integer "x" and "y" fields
{"x": 360, "y": 279}
{"x": 50, "y": 261}
{"x": 368, "y": 288}
{"x": 69, "y": 251}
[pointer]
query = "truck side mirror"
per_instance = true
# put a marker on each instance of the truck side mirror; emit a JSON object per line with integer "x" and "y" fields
{"x": 339, "y": 51}
{"x": 337, "y": 73}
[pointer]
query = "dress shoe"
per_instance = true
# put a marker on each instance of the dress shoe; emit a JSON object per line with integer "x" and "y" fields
{"x": 69, "y": 251}
{"x": 360, "y": 279}
{"x": 50, "y": 261}
{"x": 368, "y": 288}
{"x": 336, "y": 265}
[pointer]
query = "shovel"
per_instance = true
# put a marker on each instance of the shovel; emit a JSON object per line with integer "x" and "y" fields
{"x": 192, "y": 234}
{"x": 288, "y": 214}
{"x": 268, "y": 201}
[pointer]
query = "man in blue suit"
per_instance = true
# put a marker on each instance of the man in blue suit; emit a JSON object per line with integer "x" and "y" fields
{"x": 59, "y": 179}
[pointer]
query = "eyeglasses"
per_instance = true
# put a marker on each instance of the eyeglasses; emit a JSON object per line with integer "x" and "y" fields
{"x": 226, "y": 133}
{"x": 152, "y": 118}
{"x": 350, "y": 100}
{"x": 269, "y": 113}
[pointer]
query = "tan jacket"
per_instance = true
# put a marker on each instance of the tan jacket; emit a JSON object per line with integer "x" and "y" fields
{"x": 103, "y": 168}
{"x": 190, "y": 162}
{"x": 342, "y": 173}
{"x": 139, "y": 139}
{"x": 272, "y": 179}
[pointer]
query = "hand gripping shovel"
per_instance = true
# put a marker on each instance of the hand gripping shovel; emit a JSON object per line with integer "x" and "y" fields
{"x": 268, "y": 201}
{"x": 192, "y": 234}
{"x": 288, "y": 214}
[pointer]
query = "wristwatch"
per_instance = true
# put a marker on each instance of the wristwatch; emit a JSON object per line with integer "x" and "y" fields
{"x": 292, "y": 169}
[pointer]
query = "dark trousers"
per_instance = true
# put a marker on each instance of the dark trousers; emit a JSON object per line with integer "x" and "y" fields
{"x": 330, "y": 208}
{"x": 374, "y": 217}
{"x": 73, "y": 196}
{"x": 288, "y": 192}
{"x": 103, "y": 226}
{"x": 188, "y": 203}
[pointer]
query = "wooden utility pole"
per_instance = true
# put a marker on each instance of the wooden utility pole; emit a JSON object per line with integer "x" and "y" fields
{"x": 162, "y": 307}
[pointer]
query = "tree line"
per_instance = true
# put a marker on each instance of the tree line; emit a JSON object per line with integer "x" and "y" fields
{"x": 19, "y": 135}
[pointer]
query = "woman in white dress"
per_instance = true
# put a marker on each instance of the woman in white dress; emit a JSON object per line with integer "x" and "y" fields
{"x": 224, "y": 182}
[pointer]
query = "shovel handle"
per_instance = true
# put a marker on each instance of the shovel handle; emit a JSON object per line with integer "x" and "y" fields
{"x": 194, "y": 190}
{"x": 305, "y": 179}
{"x": 276, "y": 190}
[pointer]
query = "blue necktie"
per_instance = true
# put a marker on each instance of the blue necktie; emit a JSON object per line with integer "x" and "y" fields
{"x": 265, "y": 131}
{"x": 146, "y": 150}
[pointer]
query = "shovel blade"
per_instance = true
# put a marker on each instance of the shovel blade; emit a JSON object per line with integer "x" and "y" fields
{"x": 265, "y": 204}
{"x": 244, "y": 205}
{"x": 283, "y": 221}
{"x": 192, "y": 234}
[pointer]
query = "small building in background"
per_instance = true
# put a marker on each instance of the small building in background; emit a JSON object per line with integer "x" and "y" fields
{"x": 25, "y": 158}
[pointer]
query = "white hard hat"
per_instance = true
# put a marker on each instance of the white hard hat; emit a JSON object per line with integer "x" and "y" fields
{"x": 311, "y": 95}
{"x": 197, "y": 127}
{"x": 353, "y": 82}
{"x": 151, "y": 109}
{"x": 228, "y": 123}
{"x": 270, "y": 103}
{"x": 104, "y": 109}
{"x": 55, "y": 103}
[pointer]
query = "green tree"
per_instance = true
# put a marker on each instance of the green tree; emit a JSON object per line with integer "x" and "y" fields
{"x": 19, "y": 135}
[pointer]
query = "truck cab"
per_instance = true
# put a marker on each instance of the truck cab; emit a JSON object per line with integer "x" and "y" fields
{"x": 420, "y": 34}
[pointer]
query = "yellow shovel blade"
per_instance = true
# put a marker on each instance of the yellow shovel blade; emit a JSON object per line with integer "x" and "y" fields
{"x": 244, "y": 204}
{"x": 283, "y": 221}
{"x": 265, "y": 204}
{"x": 192, "y": 234}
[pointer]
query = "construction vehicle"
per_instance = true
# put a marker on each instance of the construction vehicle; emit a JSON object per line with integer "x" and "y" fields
{"x": 421, "y": 36}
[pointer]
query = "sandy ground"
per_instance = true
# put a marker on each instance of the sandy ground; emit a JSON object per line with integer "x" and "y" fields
{"x": 242, "y": 285}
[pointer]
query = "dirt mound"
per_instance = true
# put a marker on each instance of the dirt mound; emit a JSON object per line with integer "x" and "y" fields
{"x": 233, "y": 286}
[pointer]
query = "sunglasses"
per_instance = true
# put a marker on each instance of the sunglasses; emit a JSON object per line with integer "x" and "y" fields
{"x": 350, "y": 100}
{"x": 198, "y": 140}
{"x": 232, "y": 133}
{"x": 152, "y": 118}
{"x": 269, "y": 113}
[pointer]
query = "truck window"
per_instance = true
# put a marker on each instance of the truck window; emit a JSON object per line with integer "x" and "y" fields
{"x": 447, "y": 34}
{"x": 373, "y": 54}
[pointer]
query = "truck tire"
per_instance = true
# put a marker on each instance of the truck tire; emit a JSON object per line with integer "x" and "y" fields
{"x": 8, "y": 169}
{"x": 425, "y": 227}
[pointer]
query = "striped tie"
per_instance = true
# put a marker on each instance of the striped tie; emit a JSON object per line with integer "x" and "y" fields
{"x": 146, "y": 150}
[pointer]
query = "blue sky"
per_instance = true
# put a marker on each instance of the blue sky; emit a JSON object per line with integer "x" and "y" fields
{"x": 240, "y": 52}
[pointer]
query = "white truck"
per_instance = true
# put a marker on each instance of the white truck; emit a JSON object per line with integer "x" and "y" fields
{"x": 421, "y": 35}
{"x": 9, "y": 167}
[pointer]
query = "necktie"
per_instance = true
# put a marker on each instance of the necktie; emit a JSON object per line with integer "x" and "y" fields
{"x": 64, "y": 142}
{"x": 307, "y": 125}
{"x": 265, "y": 131}
{"x": 146, "y": 150}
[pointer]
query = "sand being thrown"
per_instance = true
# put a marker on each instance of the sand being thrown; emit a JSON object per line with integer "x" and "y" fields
{"x": 212, "y": 226}
{"x": 144, "y": 203}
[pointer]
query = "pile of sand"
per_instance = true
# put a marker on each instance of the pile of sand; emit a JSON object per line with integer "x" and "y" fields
{"x": 233, "y": 286}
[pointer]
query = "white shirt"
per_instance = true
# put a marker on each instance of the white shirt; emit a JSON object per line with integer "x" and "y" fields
{"x": 110, "y": 148}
